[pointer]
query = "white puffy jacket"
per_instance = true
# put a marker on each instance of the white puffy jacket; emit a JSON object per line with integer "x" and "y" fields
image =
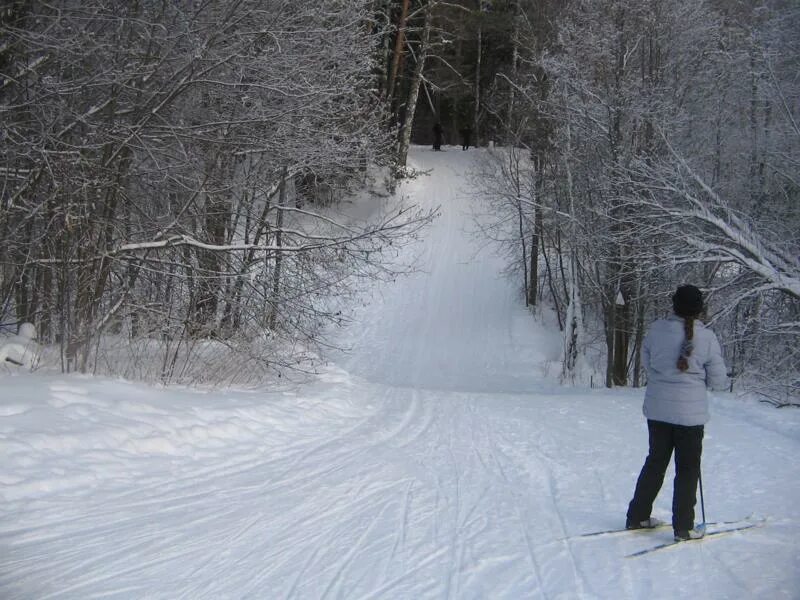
{"x": 674, "y": 396}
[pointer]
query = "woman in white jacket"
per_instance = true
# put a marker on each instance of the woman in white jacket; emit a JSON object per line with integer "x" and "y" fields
{"x": 682, "y": 359}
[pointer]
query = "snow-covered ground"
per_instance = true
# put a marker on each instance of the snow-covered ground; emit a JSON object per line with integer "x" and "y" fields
{"x": 435, "y": 460}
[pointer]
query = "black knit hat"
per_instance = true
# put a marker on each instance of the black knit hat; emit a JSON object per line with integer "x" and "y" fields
{"x": 687, "y": 301}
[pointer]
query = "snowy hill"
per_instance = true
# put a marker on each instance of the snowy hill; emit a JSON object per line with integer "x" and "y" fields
{"x": 434, "y": 460}
{"x": 456, "y": 324}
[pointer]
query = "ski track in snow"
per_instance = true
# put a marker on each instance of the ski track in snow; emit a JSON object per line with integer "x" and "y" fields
{"x": 435, "y": 461}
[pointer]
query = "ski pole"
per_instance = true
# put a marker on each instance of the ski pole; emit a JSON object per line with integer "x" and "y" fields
{"x": 702, "y": 502}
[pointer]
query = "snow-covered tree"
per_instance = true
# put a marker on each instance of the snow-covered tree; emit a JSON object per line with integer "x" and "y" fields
{"x": 667, "y": 144}
{"x": 158, "y": 161}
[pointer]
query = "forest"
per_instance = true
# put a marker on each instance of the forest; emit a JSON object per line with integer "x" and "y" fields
{"x": 175, "y": 176}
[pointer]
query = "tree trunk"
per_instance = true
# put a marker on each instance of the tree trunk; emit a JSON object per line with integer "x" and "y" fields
{"x": 610, "y": 325}
{"x": 550, "y": 284}
{"x": 638, "y": 340}
{"x": 510, "y": 127}
{"x": 621, "y": 336}
{"x": 413, "y": 94}
{"x": 573, "y": 326}
{"x": 477, "y": 88}
{"x": 276, "y": 273}
{"x": 399, "y": 46}
{"x": 521, "y": 221}
{"x": 538, "y": 226}
{"x": 384, "y": 74}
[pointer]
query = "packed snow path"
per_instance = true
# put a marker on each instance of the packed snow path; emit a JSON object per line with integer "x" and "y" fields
{"x": 457, "y": 324}
{"x": 436, "y": 461}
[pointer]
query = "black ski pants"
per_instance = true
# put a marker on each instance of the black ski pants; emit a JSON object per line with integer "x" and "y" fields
{"x": 687, "y": 442}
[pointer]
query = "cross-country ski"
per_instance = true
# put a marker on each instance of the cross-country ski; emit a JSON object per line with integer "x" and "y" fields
{"x": 661, "y": 526}
{"x": 714, "y": 533}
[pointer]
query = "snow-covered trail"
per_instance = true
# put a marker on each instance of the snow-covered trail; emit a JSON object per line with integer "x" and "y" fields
{"x": 434, "y": 462}
{"x": 457, "y": 324}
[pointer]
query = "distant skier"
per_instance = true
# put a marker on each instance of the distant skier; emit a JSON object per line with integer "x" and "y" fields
{"x": 466, "y": 134}
{"x": 437, "y": 137}
{"x": 681, "y": 357}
